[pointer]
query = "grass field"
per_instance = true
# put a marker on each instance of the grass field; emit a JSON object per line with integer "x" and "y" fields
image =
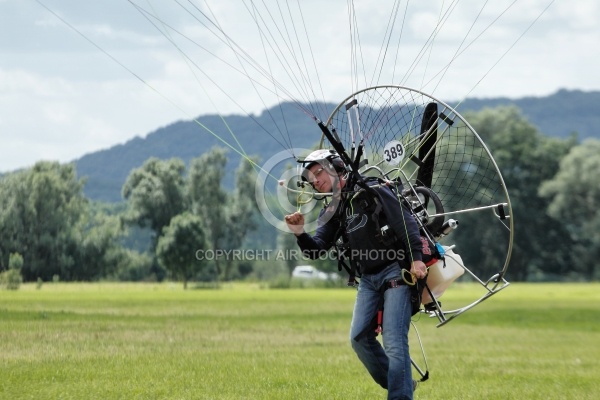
{"x": 157, "y": 341}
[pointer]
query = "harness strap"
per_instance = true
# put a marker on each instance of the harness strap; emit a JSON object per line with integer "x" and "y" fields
{"x": 350, "y": 270}
{"x": 416, "y": 286}
{"x": 390, "y": 284}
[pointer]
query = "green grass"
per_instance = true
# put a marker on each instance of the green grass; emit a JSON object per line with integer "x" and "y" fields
{"x": 157, "y": 341}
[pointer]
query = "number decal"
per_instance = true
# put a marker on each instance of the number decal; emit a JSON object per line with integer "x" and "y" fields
{"x": 393, "y": 152}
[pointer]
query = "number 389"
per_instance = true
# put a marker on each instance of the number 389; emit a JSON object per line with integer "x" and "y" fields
{"x": 393, "y": 152}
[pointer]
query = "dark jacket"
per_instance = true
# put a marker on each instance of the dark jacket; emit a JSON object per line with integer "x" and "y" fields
{"x": 369, "y": 250}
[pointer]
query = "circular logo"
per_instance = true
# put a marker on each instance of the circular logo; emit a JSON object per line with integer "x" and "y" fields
{"x": 279, "y": 192}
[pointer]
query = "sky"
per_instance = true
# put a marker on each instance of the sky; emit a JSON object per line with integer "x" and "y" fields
{"x": 77, "y": 77}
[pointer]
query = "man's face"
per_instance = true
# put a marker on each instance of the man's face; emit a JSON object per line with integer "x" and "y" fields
{"x": 322, "y": 177}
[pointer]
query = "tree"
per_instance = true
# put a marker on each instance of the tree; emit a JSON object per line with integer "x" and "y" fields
{"x": 240, "y": 214}
{"x": 208, "y": 199}
{"x": 526, "y": 158}
{"x": 179, "y": 244}
{"x": 46, "y": 218}
{"x": 574, "y": 194}
{"x": 40, "y": 208}
{"x": 286, "y": 245}
{"x": 12, "y": 277}
{"x": 97, "y": 251}
{"x": 155, "y": 193}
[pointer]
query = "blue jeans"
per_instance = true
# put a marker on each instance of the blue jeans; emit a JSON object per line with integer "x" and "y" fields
{"x": 390, "y": 368}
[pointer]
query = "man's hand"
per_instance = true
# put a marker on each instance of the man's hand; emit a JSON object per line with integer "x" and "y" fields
{"x": 418, "y": 269}
{"x": 295, "y": 222}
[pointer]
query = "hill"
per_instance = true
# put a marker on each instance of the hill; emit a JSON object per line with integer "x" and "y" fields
{"x": 558, "y": 115}
{"x": 106, "y": 170}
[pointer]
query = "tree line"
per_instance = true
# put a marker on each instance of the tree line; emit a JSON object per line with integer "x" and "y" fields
{"x": 554, "y": 187}
{"x": 50, "y": 231}
{"x": 58, "y": 234}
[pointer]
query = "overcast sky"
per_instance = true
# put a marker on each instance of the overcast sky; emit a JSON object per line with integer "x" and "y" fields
{"x": 62, "y": 97}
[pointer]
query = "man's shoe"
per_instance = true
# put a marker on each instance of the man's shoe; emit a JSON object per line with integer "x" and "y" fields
{"x": 415, "y": 384}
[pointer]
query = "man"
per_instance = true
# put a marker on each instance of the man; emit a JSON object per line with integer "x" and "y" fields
{"x": 368, "y": 219}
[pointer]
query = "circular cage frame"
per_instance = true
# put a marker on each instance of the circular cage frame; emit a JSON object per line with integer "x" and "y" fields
{"x": 371, "y": 118}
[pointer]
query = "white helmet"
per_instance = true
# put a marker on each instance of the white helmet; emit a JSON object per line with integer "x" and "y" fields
{"x": 325, "y": 157}
{"x": 321, "y": 155}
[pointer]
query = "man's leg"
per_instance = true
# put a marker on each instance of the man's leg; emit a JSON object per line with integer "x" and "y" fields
{"x": 396, "y": 323}
{"x": 362, "y": 331}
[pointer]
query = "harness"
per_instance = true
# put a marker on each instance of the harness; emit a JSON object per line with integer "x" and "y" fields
{"x": 416, "y": 286}
{"x": 370, "y": 203}
{"x": 386, "y": 237}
